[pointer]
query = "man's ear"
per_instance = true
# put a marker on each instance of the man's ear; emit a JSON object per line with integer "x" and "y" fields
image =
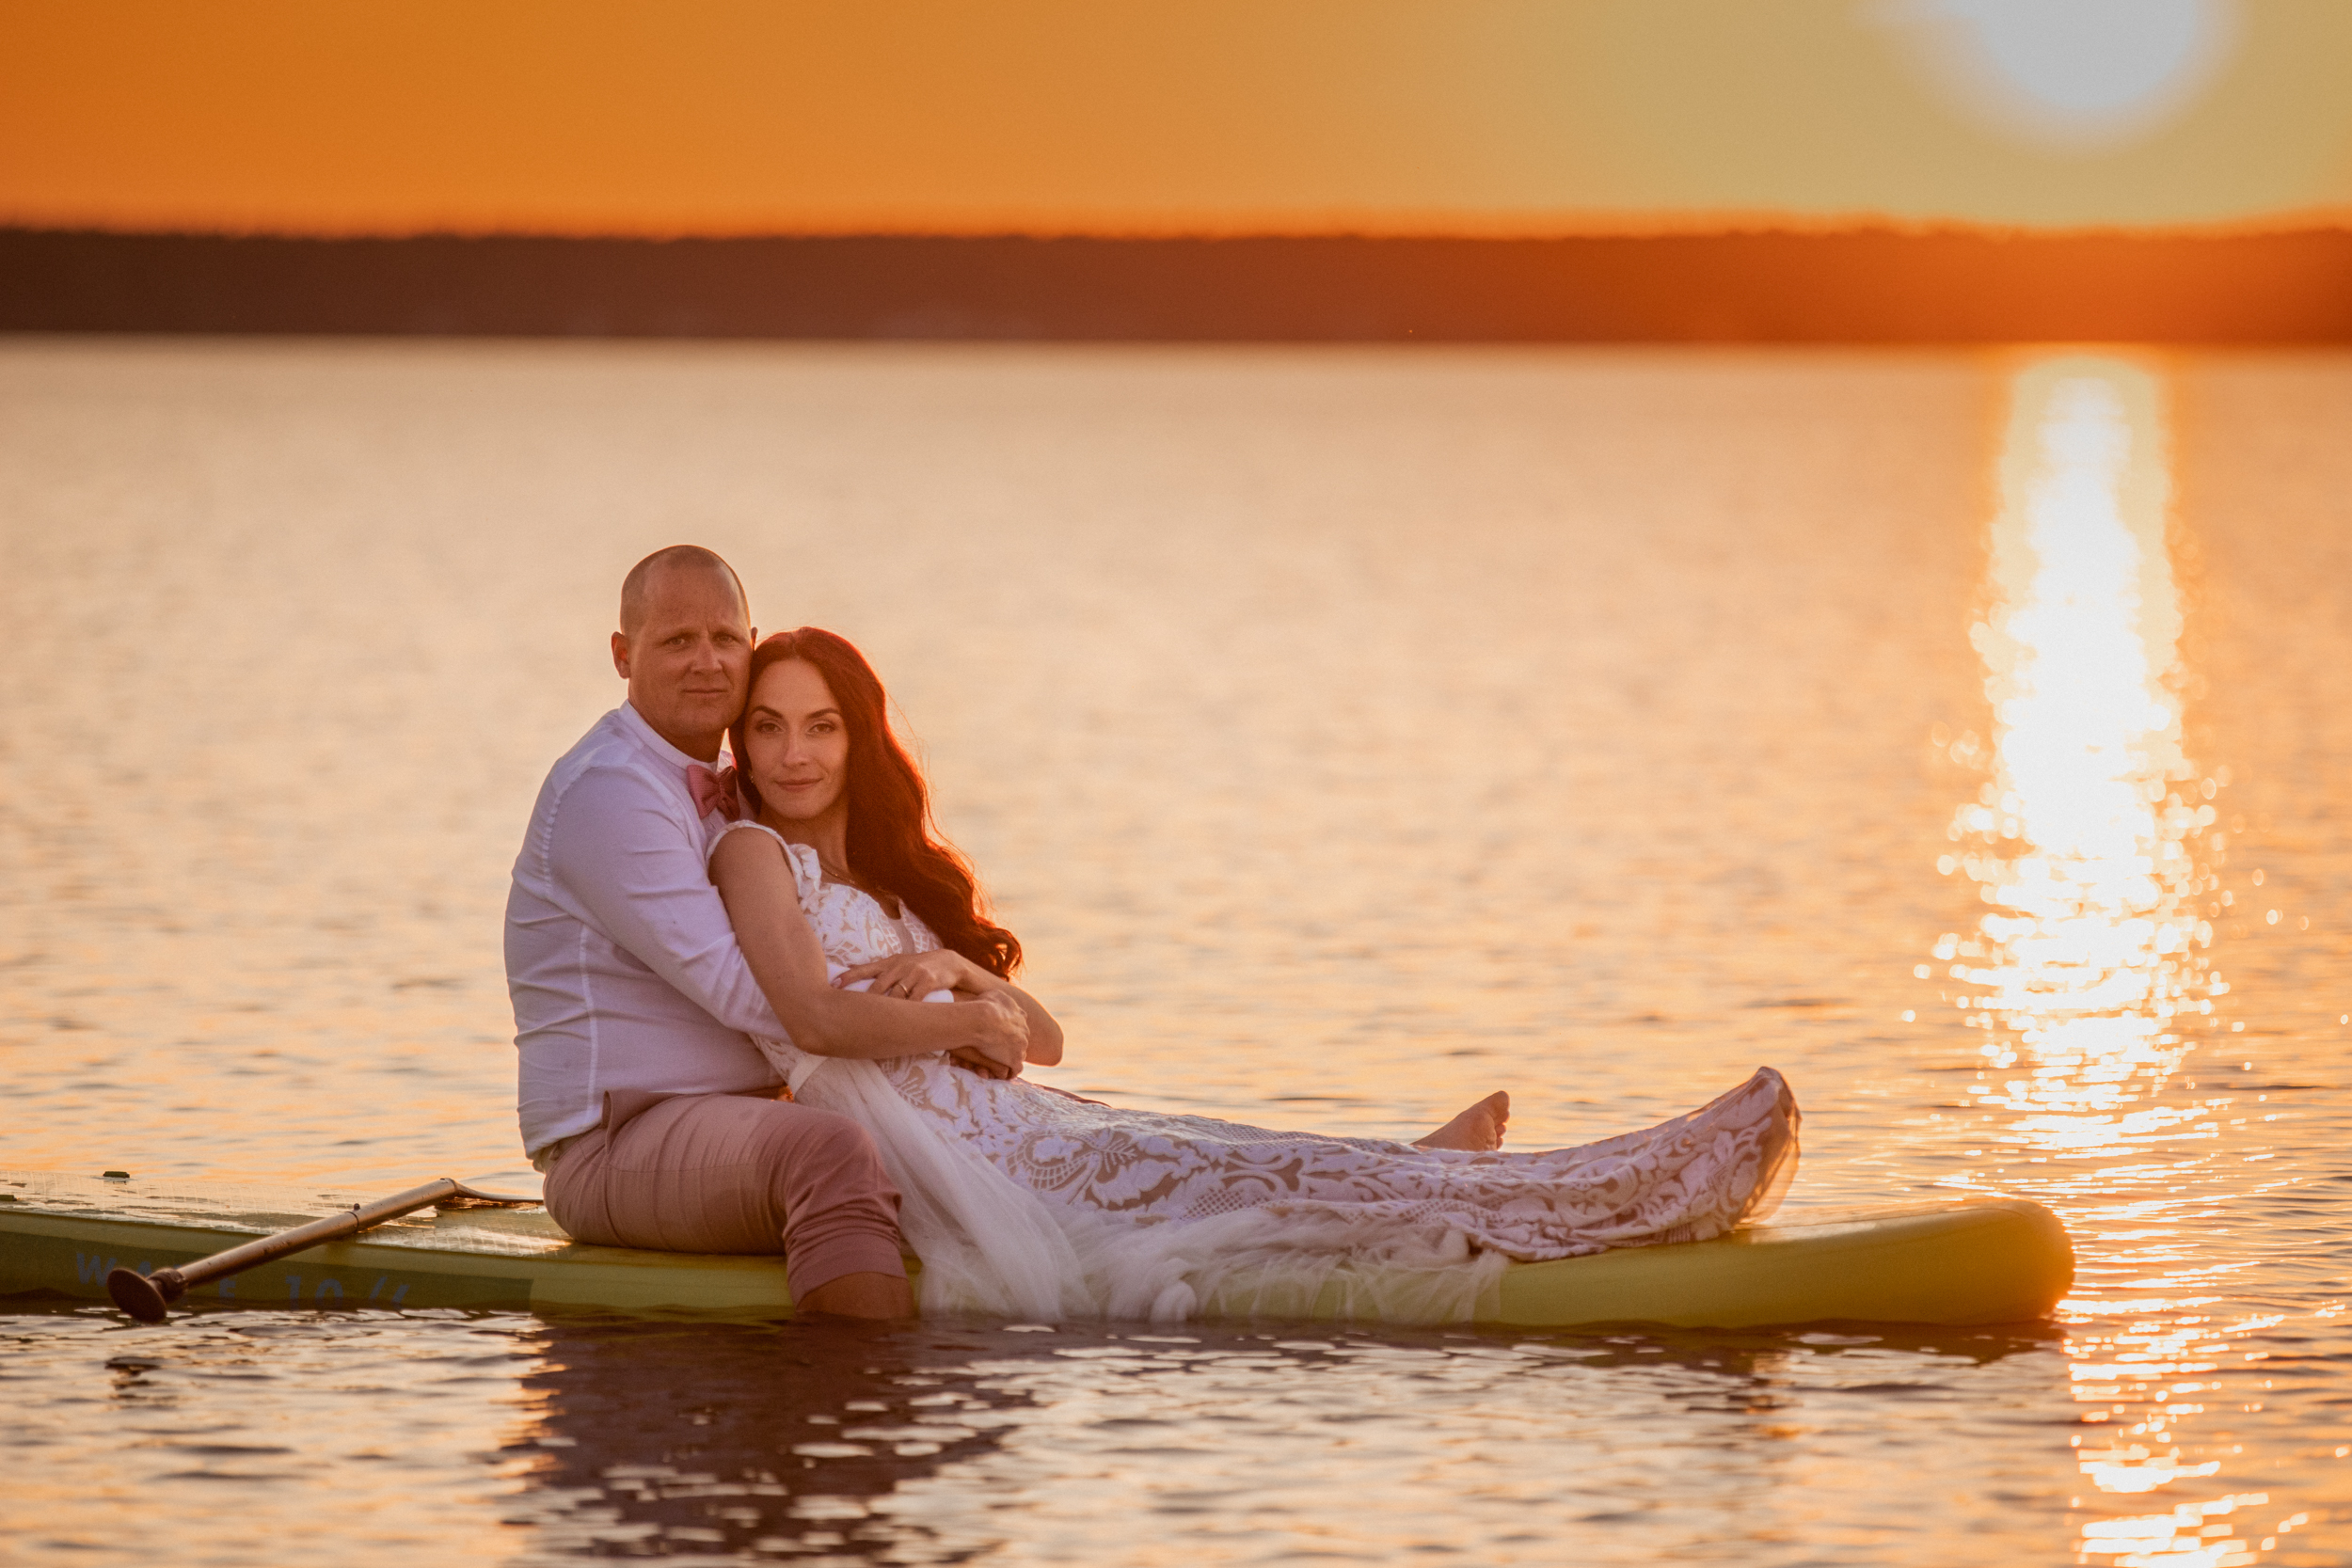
{"x": 620, "y": 652}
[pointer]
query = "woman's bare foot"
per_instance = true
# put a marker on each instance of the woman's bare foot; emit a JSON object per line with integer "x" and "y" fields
{"x": 1478, "y": 1128}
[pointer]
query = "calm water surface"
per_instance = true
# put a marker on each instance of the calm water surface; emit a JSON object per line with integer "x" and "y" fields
{"x": 1347, "y": 733}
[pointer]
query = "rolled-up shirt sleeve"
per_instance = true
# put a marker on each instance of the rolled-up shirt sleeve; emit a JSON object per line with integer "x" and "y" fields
{"x": 617, "y": 850}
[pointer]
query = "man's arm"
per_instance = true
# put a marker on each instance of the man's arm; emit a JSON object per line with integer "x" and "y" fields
{"x": 755, "y": 882}
{"x": 917, "y": 974}
{"x": 619, "y": 855}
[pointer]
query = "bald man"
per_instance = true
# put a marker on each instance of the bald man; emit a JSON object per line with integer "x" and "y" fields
{"x": 640, "y": 1092}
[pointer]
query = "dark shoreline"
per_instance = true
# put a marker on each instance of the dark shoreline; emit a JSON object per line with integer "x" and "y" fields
{"x": 1860, "y": 286}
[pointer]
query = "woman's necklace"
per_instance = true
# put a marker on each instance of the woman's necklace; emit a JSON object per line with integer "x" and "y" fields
{"x": 840, "y": 874}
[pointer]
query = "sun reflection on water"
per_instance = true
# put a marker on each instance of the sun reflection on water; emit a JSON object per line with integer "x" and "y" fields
{"x": 2087, "y": 964}
{"x": 2094, "y": 849}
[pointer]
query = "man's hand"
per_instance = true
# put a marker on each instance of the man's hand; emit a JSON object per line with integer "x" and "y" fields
{"x": 974, "y": 1061}
{"x": 1002, "y": 1036}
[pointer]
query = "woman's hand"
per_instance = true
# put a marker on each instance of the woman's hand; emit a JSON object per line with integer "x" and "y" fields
{"x": 915, "y": 975}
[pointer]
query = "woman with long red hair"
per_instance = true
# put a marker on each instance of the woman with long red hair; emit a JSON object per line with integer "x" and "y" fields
{"x": 1023, "y": 1199}
{"x": 860, "y": 795}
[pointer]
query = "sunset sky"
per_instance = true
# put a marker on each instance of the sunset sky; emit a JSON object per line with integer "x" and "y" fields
{"x": 1474, "y": 116}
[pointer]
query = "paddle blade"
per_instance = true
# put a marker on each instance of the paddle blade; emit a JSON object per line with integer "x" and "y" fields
{"x": 148, "y": 1300}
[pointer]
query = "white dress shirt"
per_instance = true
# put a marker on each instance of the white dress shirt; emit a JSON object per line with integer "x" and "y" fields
{"x": 623, "y": 967}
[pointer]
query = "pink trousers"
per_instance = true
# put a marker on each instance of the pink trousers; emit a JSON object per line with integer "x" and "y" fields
{"x": 731, "y": 1173}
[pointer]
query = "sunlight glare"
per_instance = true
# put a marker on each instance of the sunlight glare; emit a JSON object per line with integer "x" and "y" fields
{"x": 2077, "y": 75}
{"x": 2088, "y": 969}
{"x": 2090, "y": 954}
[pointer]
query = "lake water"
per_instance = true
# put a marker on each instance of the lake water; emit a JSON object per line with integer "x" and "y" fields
{"x": 1347, "y": 733}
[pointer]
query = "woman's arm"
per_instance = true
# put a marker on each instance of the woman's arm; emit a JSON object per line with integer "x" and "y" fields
{"x": 917, "y": 974}
{"x": 755, "y": 882}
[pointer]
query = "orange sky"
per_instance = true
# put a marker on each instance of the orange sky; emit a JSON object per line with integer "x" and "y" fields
{"x": 1119, "y": 116}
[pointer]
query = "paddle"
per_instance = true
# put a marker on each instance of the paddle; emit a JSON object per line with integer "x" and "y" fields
{"x": 148, "y": 1297}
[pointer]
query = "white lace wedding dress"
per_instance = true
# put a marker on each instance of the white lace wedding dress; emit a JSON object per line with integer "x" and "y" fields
{"x": 1022, "y": 1201}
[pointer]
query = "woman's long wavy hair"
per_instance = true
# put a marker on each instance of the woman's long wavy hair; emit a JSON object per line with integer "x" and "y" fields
{"x": 893, "y": 843}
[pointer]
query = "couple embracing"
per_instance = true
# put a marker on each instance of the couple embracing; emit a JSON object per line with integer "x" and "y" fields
{"x": 728, "y": 980}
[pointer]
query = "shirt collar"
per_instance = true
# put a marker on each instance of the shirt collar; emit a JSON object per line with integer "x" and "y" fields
{"x": 651, "y": 738}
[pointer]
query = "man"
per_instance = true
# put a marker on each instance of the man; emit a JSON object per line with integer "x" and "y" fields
{"x": 640, "y": 1092}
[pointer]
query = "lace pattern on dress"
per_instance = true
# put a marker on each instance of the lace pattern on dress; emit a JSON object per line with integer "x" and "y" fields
{"x": 1300, "y": 1209}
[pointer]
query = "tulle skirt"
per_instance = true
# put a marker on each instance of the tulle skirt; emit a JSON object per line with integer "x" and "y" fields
{"x": 991, "y": 1246}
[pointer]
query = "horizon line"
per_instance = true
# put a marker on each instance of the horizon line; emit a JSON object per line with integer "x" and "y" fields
{"x": 1725, "y": 225}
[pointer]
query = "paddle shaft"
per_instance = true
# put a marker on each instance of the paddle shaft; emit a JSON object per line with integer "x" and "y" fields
{"x": 146, "y": 1298}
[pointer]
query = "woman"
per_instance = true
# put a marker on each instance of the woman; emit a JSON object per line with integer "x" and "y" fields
{"x": 1023, "y": 1199}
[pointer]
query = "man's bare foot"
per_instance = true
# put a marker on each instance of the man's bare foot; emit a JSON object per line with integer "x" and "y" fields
{"x": 1478, "y": 1128}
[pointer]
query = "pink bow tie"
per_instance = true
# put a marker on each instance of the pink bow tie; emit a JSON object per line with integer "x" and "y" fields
{"x": 712, "y": 791}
